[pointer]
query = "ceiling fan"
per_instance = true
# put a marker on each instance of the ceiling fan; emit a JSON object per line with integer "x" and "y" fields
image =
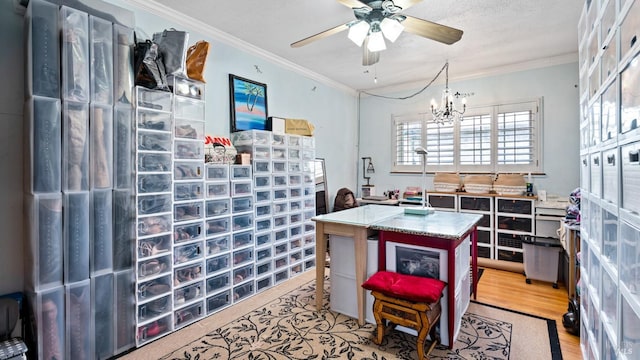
{"x": 375, "y": 19}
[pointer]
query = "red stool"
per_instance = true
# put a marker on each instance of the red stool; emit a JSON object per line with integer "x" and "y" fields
{"x": 407, "y": 300}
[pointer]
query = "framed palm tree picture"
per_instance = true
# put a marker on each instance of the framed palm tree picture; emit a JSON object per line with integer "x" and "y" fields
{"x": 248, "y": 104}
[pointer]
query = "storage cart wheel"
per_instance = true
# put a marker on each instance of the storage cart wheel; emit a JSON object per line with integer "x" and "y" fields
{"x": 555, "y": 285}
{"x": 528, "y": 281}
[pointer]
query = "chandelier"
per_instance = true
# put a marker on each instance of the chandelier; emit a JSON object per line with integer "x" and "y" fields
{"x": 446, "y": 112}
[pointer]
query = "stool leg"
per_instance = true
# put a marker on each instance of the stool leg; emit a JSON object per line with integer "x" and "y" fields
{"x": 423, "y": 326}
{"x": 377, "y": 311}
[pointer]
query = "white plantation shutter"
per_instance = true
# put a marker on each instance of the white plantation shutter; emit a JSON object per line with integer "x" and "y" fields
{"x": 475, "y": 140}
{"x": 408, "y": 136}
{"x": 516, "y": 137}
{"x": 440, "y": 144}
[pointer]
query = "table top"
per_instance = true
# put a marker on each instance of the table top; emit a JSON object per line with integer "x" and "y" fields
{"x": 360, "y": 216}
{"x": 442, "y": 224}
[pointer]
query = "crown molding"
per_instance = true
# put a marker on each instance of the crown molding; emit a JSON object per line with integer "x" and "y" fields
{"x": 218, "y": 35}
{"x": 482, "y": 73}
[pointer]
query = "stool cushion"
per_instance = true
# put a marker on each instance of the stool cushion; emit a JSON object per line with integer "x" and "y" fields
{"x": 407, "y": 287}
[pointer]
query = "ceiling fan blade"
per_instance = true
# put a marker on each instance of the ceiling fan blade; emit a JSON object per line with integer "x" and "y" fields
{"x": 353, "y": 3}
{"x": 319, "y": 36}
{"x": 431, "y": 30}
{"x": 405, "y": 4}
{"x": 369, "y": 57}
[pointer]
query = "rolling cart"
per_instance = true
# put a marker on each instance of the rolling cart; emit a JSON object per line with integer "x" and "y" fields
{"x": 541, "y": 257}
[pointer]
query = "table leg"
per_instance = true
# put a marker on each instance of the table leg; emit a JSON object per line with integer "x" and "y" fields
{"x": 321, "y": 253}
{"x": 360, "y": 246}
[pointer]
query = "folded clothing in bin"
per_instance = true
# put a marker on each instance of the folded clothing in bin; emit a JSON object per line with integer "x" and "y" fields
{"x": 541, "y": 257}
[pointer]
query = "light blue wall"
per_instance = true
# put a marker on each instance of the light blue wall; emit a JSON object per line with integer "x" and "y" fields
{"x": 557, "y": 86}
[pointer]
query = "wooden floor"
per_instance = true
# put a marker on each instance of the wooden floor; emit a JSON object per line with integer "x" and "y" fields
{"x": 509, "y": 290}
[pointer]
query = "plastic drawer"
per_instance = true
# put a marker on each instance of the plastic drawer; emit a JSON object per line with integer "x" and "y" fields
{"x": 280, "y": 235}
{"x": 242, "y": 274}
{"x": 263, "y": 268}
{"x": 585, "y": 172}
{"x": 309, "y": 204}
{"x": 186, "y": 129}
{"x": 241, "y": 188}
{"x": 154, "y": 183}
{"x": 153, "y": 267}
{"x": 596, "y": 174}
{"x": 294, "y": 140}
{"x": 309, "y": 214}
{"x": 153, "y": 330}
{"x": 262, "y": 196}
{"x": 241, "y": 257}
{"x": 242, "y": 222}
{"x": 154, "y": 225}
{"x": 188, "y": 149}
{"x": 217, "y": 190}
{"x": 295, "y": 179}
{"x": 154, "y": 141}
{"x": 629, "y": 258}
{"x": 153, "y": 120}
{"x": 280, "y": 249}
{"x": 76, "y": 236}
{"x": 78, "y": 318}
{"x": 241, "y": 204}
{"x": 242, "y": 239}
{"x": 609, "y": 301}
{"x": 262, "y": 254}
{"x": 484, "y": 252}
{"x": 261, "y": 167}
{"x": 307, "y": 179}
{"x": 264, "y": 283}
{"x": 45, "y": 247}
{"x": 263, "y": 210}
{"x": 187, "y": 232}
{"x": 43, "y": 45}
{"x": 154, "y": 99}
{"x": 295, "y": 257}
{"x": 188, "y": 253}
{"x": 309, "y": 252}
{"x": 515, "y": 223}
{"x": 188, "y": 191}
{"x": 484, "y": 237}
{"x": 218, "y": 263}
{"x": 293, "y": 155}
{"x": 218, "y": 244}
{"x": 281, "y": 262}
{"x": 101, "y": 237}
{"x": 218, "y": 282}
{"x": 44, "y": 148}
{"x": 279, "y": 153}
{"x": 308, "y": 154}
{"x": 295, "y": 218}
{"x": 610, "y": 243}
{"x": 308, "y": 166}
{"x": 629, "y": 103}
{"x": 188, "y": 108}
{"x": 295, "y": 205}
{"x": 217, "y": 172}
{"x": 311, "y": 263}
{"x": 280, "y": 221}
{"x": 281, "y": 276}
{"x": 153, "y": 289}
{"x": 186, "y": 87}
{"x": 218, "y": 226}
{"x": 240, "y": 172}
{"x": 278, "y": 139}
{"x": 75, "y": 54}
{"x": 101, "y": 71}
{"x": 123, "y": 159}
{"x": 295, "y": 243}
{"x": 295, "y": 167}
{"x": 102, "y": 319}
{"x": 512, "y": 206}
{"x": 154, "y": 308}
{"x": 251, "y": 137}
{"x": 280, "y": 194}
{"x": 279, "y": 180}
{"x": 509, "y": 240}
{"x": 629, "y": 30}
{"x": 188, "y": 314}
{"x": 49, "y": 312}
{"x": 154, "y": 162}
{"x": 295, "y": 192}
{"x": 309, "y": 227}
{"x": 124, "y": 310}
{"x": 295, "y": 269}
{"x": 308, "y": 142}
{"x": 188, "y": 211}
{"x": 187, "y": 170}
{"x": 509, "y": 255}
{"x": 187, "y": 274}
{"x": 309, "y": 190}
{"x": 309, "y": 239}
{"x": 242, "y": 291}
{"x": 295, "y": 231}
{"x": 630, "y": 162}
{"x": 218, "y": 301}
{"x": 263, "y": 239}
{"x": 609, "y": 112}
{"x": 261, "y": 181}
{"x": 75, "y": 147}
{"x": 218, "y": 207}
{"x": 279, "y": 166}
{"x": 154, "y": 204}
{"x": 280, "y": 208}
{"x": 263, "y": 224}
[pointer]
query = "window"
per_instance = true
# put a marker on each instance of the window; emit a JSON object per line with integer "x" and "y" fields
{"x": 498, "y": 138}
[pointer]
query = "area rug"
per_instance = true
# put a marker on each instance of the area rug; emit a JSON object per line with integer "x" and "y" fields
{"x": 289, "y": 327}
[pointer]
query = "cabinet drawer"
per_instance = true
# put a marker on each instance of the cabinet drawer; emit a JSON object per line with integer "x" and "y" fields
{"x": 509, "y": 255}
{"x": 475, "y": 203}
{"x": 630, "y": 160}
{"x": 610, "y": 163}
{"x": 515, "y": 206}
{"x": 484, "y": 252}
{"x": 629, "y": 101}
{"x": 484, "y": 237}
{"x": 596, "y": 174}
{"x": 585, "y": 173}
{"x": 509, "y": 240}
{"x": 442, "y": 201}
{"x": 515, "y": 224}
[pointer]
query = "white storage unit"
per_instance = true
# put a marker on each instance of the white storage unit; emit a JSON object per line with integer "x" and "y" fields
{"x": 514, "y": 217}
{"x": 610, "y": 214}
{"x": 478, "y": 204}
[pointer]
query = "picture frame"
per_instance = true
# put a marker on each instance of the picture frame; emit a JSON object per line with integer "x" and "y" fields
{"x": 248, "y": 104}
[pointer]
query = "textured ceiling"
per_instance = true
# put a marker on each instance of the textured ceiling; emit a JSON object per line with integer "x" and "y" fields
{"x": 499, "y": 36}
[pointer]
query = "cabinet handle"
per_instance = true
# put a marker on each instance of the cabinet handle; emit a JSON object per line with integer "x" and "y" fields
{"x": 633, "y": 156}
{"x": 596, "y": 160}
{"x": 611, "y": 160}
{"x": 633, "y": 41}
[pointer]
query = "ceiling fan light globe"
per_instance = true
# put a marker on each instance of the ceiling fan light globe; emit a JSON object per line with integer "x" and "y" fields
{"x": 358, "y": 32}
{"x": 391, "y": 29}
{"x": 376, "y": 42}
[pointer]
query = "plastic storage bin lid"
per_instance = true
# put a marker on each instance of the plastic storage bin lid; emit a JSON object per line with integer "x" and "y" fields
{"x": 541, "y": 241}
